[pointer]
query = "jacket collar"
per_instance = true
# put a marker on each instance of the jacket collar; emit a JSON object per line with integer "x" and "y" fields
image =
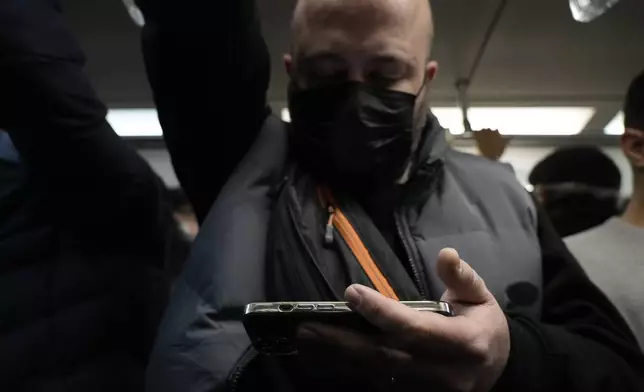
{"x": 425, "y": 178}
{"x": 433, "y": 144}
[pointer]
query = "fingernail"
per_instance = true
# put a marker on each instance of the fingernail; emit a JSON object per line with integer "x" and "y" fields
{"x": 353, "y": 296}
{"x": 458, "y": 268}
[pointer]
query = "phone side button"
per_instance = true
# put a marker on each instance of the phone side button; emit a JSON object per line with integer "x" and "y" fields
{"x": 305, "y": 307}
{"x": 326, "y": 307}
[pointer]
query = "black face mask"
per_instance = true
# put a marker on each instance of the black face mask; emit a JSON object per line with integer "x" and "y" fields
{"x": 353, "y": 135}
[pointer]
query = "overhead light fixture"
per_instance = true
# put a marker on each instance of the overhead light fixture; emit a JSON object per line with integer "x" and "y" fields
{"x": 135, "y": 122}
{"x": 616, "y": 125}
{"x": 519, "y": 121}
{"x": 516, "y": 121}
{"x": 451, "y": 118}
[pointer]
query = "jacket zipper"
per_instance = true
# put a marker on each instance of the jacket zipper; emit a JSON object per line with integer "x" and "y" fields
{"x": 328, "y": 234}
{"x": 410, "y": 258}
{"x": 240, "y": 367}
{"x": 338, "y": 220}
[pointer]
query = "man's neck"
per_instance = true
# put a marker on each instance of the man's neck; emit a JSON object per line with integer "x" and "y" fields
{"x": 635, "y": 211}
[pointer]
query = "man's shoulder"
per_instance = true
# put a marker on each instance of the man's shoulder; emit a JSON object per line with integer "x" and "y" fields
{"x": 493, "y": 184}
{"x": 478, "y": 165}
{"x": 483, "y": 174}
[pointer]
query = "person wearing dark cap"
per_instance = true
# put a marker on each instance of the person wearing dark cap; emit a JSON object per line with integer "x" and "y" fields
{"x": 578, "y": 187}
{"x": 620, "y": 240}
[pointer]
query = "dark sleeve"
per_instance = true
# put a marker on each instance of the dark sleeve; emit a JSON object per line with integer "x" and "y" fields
{"x": 96, "y": 186}
{"x": 202, "y": 337}
{"x": 208, "y": 67}
{"x": 582, "y": 342}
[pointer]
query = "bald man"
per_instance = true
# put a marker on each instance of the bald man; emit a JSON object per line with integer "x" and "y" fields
{"x": 356, "y": 200}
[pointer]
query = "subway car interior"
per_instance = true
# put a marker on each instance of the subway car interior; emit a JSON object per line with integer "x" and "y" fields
{"x": 184, "y": 206}
{"x": 526, "y": 68}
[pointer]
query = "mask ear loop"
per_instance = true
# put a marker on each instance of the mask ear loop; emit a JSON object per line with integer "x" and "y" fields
{"x": 412, "y": 162}
{"x": 422, "y": 86}
{"x": 420, "y": 90}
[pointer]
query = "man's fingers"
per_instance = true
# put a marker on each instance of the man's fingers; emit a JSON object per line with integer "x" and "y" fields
{"x": 385, "y": 313}
{"x": 463, "y": 283}
{"x": 333, "y": 353}
{"x": 354, "y": 347}
{"x": 399, "y": 320}
{"x": 382, "y": 362}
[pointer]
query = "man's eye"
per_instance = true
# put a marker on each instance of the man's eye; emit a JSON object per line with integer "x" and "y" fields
{"x": 383, "y": 80}
{"x": 326, "y": 78}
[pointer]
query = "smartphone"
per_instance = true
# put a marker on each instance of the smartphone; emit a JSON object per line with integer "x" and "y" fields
{"x": 272, "y": 326}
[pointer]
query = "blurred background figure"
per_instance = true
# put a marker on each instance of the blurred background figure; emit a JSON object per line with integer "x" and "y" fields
{"x": 184, "y": 214}
{"x": 612, "y": 253}
{"x": 578, "y": 187}
{"x": 185, "y": 230}
{"x": 8, "y": 152}
{"x": 87, "y": 237}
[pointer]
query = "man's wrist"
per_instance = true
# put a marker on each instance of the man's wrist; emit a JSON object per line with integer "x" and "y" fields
{"x": 524, "y": 361}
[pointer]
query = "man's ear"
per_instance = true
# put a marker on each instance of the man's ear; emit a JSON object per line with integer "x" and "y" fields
{"x": 431, "y": 71}
{"x": 632, "y": 144}
{"x": 288, "y": 64}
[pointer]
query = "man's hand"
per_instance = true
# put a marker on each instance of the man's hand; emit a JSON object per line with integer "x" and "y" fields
{"x": 491, "y": 143}
{"x": 425, "y": 351}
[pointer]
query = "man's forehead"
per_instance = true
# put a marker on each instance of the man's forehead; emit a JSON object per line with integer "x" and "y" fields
{"x": 377, "y": 10}
{"x": 362, "y": 18}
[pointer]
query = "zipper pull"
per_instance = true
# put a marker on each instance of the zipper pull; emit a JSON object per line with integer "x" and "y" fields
{"x": 328, "y": 235}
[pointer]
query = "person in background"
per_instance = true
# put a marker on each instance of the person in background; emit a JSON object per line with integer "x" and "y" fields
{"x": 578, "y": 187}
{"x": 361, "y": 188}
{"x": 184, "y": 214}
{"x": 86, "y": 232}
{"x": 186, "y": 227}
{"x": 613, "y": 254}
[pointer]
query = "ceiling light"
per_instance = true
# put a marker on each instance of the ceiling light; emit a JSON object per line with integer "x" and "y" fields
{"x": 520, "y": 121}
{"x": 135, "y": 122}
{"x": 616, "y": 125}
{"x": 450, "y": 119}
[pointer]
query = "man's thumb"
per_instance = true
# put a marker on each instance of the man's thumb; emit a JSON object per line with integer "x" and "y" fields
{"x": 463, "y": 283}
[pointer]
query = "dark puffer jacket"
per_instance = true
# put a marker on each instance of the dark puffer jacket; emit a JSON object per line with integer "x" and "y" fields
{"x": 84, "y": 228}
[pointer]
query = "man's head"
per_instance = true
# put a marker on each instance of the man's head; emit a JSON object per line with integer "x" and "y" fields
{"x": 359, "y": 73}
{"x": 385, "y": 43}
{"x": 633, "y": 138}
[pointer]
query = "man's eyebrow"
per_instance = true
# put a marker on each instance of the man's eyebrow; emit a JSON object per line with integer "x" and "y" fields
{"x": 388, "y": 58}
{"x": 308, "y": 59}
{"x": 405, "y": 63}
